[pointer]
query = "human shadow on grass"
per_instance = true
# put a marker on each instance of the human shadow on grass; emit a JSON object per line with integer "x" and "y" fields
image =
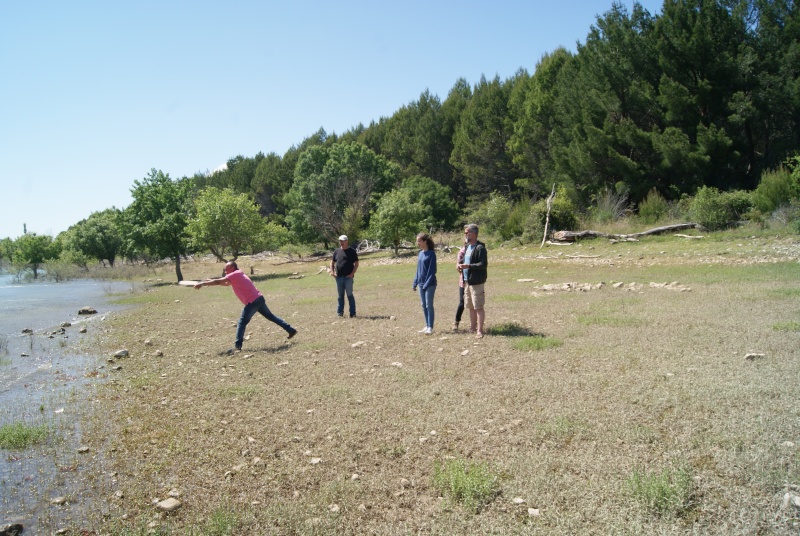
{"x": 265, "y": 349}
{"x": 512, "y": 329}
{"x": 373, "y": 317}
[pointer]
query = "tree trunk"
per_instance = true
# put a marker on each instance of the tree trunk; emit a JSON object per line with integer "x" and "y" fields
{"x": 570, "y": 236}
{"x": 178, "y": 268}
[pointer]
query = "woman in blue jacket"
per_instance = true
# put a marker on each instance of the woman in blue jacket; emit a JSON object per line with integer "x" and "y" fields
{"x": 426, "y": 279}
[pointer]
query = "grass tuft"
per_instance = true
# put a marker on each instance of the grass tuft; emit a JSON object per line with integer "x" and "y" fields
{"x": 19, "y": 435}
{"x": 667, "y": 493}
{"x": 537, "y": 343}
{"x": 787, "y": 326}
{"x": 510, "y": 329}
{"x": 473, "y": 485}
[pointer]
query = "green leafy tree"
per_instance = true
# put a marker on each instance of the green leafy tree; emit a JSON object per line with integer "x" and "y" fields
{"x": 442, "y": 210}
{"x": 6, "y": 249}
{"x": 98, "y": 236}
{"x": 157, "y": 219}
{"x": 225, "y": 223}
{"x": 397, "y": 217}
{"x": 333, "y": 190}
{"x": 33, "y": 250}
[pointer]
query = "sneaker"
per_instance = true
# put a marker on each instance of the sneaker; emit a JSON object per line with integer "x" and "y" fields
{"x": 231, "y": 351}
{"x": 455, "y": 326}
{"x": 292, "y": 334}
{"x": 428, "y": 331}
{"x": 353, "y": 315}
{"x": 423, "y": 330}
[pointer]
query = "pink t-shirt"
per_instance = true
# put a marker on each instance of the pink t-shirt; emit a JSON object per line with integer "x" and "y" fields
{"x": 244, "y": 289}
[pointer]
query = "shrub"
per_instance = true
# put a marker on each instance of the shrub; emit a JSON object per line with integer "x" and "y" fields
{"x": 774, "y": 189}
{"x": 473, "y": 485}
{"x": 716, "y": 210}
{"x": 653, "y": 207}
{"x": 608, "y": 206}
{"x": 563, "y": 216}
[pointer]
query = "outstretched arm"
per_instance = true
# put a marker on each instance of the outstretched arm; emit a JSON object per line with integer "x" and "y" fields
{"x": 213, "y": 282}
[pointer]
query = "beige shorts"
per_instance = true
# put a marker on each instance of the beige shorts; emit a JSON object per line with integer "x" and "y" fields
{"x": 474, "y": 296}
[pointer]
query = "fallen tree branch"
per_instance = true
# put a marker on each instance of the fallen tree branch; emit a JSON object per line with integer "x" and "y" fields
{"x": 571, "y": 236}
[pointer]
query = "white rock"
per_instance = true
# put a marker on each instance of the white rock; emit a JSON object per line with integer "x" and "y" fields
{"x": 533, "y": 512}
{"x": 315, "y": 461}
{"x": 753, "y": 356}
{"x": 518, "y": 500}
{"x": 169, "y": 505}
{"x": 58, "y": 501}
{"x": 334, "y": 508}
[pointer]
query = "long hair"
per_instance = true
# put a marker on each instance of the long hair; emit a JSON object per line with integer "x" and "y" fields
{"x": 427, "y": 238}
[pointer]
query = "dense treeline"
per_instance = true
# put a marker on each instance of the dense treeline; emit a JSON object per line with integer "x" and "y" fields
{"x": 702, "y": 98}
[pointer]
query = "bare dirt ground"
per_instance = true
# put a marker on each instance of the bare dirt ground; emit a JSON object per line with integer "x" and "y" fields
{"x": 339, "y": 430}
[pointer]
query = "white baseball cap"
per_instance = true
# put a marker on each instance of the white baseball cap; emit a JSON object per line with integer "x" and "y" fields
{"x": 343, "y": 238}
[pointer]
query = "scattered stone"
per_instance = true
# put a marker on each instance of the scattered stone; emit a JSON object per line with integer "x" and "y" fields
{"x": 334, "y": 508}
{"x": 158, "y": 353}
{"x": 357, "y": 344}
{"x": 169, "y": 505}
{"x": 315, "y": 461}
{"x": 58, "y": 501}
{"x": 121, "y": 353}
{"x": 397, "y": 364}
{"x": 119, "y": 494}
{"x": 753, "y": 356}
{"x": 618, "y": 285}
{"x": 790, "y": 498}
{"x": 174, "y": 493}
{"x": 12, "y": 529}
{"x": 355, "y": 477}
{"x": 465, "y": 352}
{"x": 23, "y": 354}
{"x": 518, "y": 500}
{"x": 788, "y": 444}
{"x": 83, "y": 450}
{"x": 66, "y": 324}
{"x": 82, "y": 330}
{"x": 87, "y": 311}
{"x": 27, "y": 330}
{"x": 533, "y": 512}
{"x": 148, "y": 342}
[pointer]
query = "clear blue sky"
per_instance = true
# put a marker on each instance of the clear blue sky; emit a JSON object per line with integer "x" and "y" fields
{"x": 95, "y": 93}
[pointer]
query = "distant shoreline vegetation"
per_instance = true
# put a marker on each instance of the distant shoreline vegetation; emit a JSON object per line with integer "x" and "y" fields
{"x": 641, "y": 124}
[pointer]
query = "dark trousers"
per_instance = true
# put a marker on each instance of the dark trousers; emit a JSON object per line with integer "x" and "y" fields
{"x": 259, "y": 305}
{"x": 460, "y": 309}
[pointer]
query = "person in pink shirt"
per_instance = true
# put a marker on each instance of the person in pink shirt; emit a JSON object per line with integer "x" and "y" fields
{"x": 250, "y": 296}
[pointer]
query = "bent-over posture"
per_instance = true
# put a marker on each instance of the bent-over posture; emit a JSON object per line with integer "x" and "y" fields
{"x": 250, "y": 296}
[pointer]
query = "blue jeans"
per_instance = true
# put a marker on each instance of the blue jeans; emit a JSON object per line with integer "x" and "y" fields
{"x": 345, "y": 284}
{"x": 426, "y": 297}
{"x": 259, "y": 305}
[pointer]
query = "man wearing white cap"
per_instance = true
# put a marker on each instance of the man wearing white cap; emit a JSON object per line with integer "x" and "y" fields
{"x": 343, "y": 267}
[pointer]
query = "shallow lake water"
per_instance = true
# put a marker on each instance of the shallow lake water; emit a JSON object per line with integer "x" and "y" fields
{"x": 47, "y": 376}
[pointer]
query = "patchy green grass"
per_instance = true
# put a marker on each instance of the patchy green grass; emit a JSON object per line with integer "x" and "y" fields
{"x": 470, "y": 484}
{"x": 21, "y": 435}
{"x": 338, "y": 430}
{"x": 663, "y": 493}
{"x": 533, "y": 344}
{"x": 793, "y": 326}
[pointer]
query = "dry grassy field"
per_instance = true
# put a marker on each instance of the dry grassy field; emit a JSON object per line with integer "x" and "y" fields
{"x": 613, "y": 409}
